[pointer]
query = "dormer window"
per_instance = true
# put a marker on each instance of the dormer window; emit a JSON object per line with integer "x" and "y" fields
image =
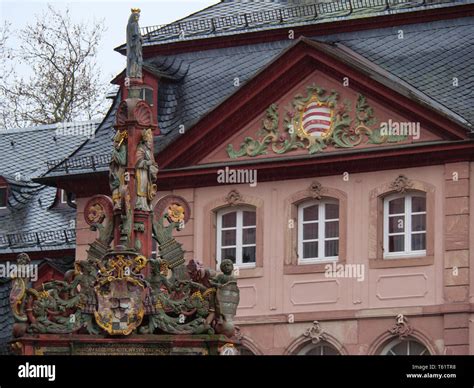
{"x": 147, "y": 95}
{"x": 3, "y": 197}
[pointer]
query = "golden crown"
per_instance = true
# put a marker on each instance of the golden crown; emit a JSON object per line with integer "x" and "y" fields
{"x": 135, "y": 10}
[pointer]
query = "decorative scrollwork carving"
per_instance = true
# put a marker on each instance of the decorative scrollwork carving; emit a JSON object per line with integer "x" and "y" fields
{"x": 401, "y": 184}
{"x": 315, "y": 333}
{"x": 402, "y": 328}
{"x": 315, "y": 190}
{"x": 233, "y": 197}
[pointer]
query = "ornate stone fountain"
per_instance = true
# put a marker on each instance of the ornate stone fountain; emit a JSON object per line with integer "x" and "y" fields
{"x": 119, "y": 299}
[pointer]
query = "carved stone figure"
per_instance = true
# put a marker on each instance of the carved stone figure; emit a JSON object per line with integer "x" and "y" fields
{"x": 146, "y": 172}
{"x": 227, "y": 298}
{"x": 134, "y": 46}
{"x": 118, "y": 164}
{"x": 18, "y": 291}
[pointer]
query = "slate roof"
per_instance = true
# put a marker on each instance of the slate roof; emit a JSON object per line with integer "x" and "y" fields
{"x": 231, "y": 17}
{"x": 428, "y": 57}
{"x": 30, "y": 222}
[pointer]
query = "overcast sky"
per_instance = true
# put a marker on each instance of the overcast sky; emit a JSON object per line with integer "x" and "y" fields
{"x": 115, "y": 14}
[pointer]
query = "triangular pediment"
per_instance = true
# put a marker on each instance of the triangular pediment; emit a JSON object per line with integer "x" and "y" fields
{"x": 314, "y": 99}
{"x": 320, "y": 115}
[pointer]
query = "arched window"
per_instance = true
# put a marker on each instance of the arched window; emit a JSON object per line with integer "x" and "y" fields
{"x": 236, "y": 236}
{"x": 244, "y": 351}
{"x": 405, "y": 225}
{"x": 322, "y": 348}
{"x": 318, "y": 231}
{"x": 405, "y": 347}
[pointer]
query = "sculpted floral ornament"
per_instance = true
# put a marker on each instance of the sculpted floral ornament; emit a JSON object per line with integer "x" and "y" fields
{"x": 315, "y": 333}
{"x": 401, "y": 184}
{"x": 402, "y": 328}
{"x": 96, "y": 214}
{"x": 313, "y": 122}
{"x": 176, "y": 213}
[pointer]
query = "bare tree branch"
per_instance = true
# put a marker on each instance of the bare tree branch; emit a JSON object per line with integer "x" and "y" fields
{"x": 65, "y": 83}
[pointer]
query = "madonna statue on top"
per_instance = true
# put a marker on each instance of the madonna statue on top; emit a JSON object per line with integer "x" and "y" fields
{"x": 134, "y": 46}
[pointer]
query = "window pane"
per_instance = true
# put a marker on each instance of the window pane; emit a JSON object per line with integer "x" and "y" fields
{"x": 396, "y": 243}
{"x": 418, "y": 204}
{"x": 401, "y": 349}
{"x": 332, "y": 229}
{"x": 322, "y": 350}
{"x": 248, "y": 255}
{"x": 248, "y": 236}
{"x": 149, "y": 96}
{"x": 3, "y": 196}
{"x": 332, "y": 211}
{"x": 310, "y": 250}
{"x": 396, "y": 224}
{"x": 396, "y": 206}
{"x": 310, "y": 213}
{"x": 228, "y": 253}
{"x": 249, "y": 218}
{"x": 229, "y": 220}
{"x": 329, "y": 351}
{"x": 418, "y": 242}
{"x": 416, "y": 348}
{"x": 331, "y": 248}
{"x": 418, "y": 222}
{"x": 228, "y": 237}
{"x": 310, "y": 231}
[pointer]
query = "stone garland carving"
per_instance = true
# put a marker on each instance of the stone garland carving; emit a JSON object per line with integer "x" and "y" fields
{"x": 313, "y": 122}
{"x": 402, "y": 328}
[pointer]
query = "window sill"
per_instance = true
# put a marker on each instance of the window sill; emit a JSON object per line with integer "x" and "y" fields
{"x": 246, "y": 273}
{"x": 408, "y": 261}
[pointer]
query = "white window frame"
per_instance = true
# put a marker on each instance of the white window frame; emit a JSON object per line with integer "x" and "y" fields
{"x": 321, "y": 232}
{"x": 238, "y": 236}
{"x": 408, "y": 252}
{"x": 143, "y": 95}
{"x": 6, "y": 197}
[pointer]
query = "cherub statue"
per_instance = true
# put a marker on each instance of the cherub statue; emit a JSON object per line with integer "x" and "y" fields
{"x": 227, "y": 298}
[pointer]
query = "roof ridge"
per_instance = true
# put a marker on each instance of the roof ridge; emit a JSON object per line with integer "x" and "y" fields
{"x": 45, "y": 127}
{"x": 292, "y": 14}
